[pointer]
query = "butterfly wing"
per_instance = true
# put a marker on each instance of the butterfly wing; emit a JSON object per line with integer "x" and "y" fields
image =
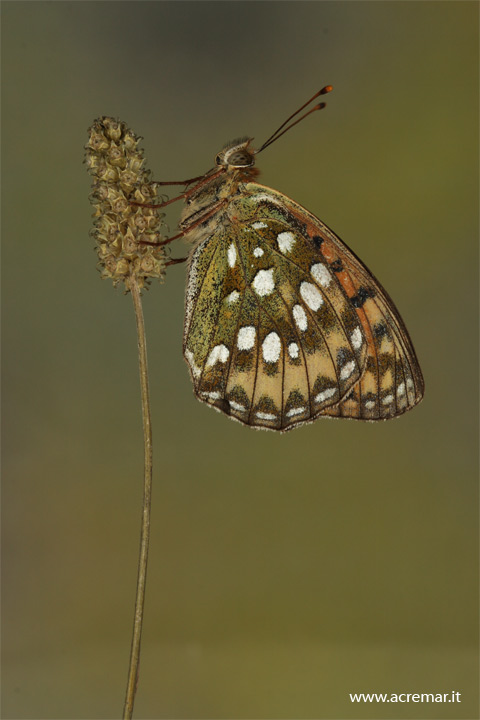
{"x": 392, "y": 381}
{"x": 285, "y": 324}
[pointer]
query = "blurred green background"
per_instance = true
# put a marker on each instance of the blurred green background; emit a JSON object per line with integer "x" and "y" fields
{"x": 285, "y": 571}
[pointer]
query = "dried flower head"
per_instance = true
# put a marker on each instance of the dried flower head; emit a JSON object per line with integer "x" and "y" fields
{"x": 122, "y": 229}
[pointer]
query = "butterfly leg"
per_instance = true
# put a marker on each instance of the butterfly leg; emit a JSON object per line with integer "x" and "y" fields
{"x": 180, "y": 182}
{"x": 175, "y": 261}
{"x": 164, "y": 242}
{"x": 154, "y": 206}
{"x": 204, "y": 179}
{"x": 199, "y": 221}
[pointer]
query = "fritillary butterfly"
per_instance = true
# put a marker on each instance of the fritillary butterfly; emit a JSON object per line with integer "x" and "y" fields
{"x": 283, "y": 323}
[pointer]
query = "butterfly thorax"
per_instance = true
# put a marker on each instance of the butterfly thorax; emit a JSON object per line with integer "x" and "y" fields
{"x": 207, "y": 201}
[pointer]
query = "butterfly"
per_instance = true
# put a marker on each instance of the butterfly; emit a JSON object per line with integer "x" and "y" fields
{"x": 283, "y": 322}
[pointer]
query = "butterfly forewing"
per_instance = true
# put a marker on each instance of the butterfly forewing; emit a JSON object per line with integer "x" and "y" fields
{"x": 392, "y": 381}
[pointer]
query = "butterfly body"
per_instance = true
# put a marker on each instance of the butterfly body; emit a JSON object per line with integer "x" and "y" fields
{"x": 283, "y": 323}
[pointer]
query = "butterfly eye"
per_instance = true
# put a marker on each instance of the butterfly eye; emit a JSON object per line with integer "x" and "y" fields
{"x": 240, "y": 158}
{"x": 218, "y": 160}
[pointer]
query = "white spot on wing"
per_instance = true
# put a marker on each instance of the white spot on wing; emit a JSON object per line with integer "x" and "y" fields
{"x": 233, "y": 297}
{"x": 293, "y": 350}
{"x": 271, "y": 348}
{"x": 232, "y": 255}
{"x": 296, "y": 411}
{"x": 285, "y": 240}
{"x": 258, "y": 252}
{"x": 263, "y": 282}
{"x": 370, "y": 404}
{"x": 356, "y": 338}
{"x": 347, "y": 370}
{"x": 321, "y": 275}
{"x": 401, "y": 389}
{"x": 246, "y": 338}
{"x": 387, "y": 400}
{"x": 300, "y": 317}
{"x": 196, "y": 371}
{"x": 325, "y": 394}
{"x": 214, "y": 395}
{"x": 311, "y": 295}
{"x": 265, "y": 196}
{"x": 236, "y": 406}
{"x": 259, "y": 225}
{"x": 265, "y": 416}
{"x": 219, "y": 353}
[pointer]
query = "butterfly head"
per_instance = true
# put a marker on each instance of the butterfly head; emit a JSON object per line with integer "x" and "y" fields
{"x": 236, "y": 155}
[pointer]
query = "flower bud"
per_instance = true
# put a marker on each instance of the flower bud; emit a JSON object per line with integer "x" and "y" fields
{"x": 125, "y": 234}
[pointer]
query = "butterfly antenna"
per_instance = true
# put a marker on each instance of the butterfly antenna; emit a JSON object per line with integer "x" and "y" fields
{"x": 277, "y": 133}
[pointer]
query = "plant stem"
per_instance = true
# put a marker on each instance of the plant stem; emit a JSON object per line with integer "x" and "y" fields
{"x": 147, "y": 497}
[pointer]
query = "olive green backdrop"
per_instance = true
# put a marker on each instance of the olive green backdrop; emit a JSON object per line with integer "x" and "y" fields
{"x": 285, "y": 571}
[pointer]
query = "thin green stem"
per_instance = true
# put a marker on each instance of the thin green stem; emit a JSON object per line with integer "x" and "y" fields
{"x": 147, "y": 497}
